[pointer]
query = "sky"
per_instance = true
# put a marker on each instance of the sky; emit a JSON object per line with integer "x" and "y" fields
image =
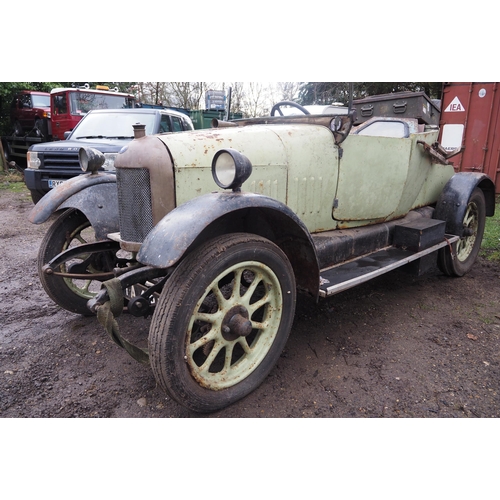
{"x": 262, "y": 41}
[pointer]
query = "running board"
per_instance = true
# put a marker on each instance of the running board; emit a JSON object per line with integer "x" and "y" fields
{"x": 357, "y": 271}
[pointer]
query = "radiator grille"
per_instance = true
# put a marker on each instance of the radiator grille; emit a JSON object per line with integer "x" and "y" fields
{"x": 134, "y": 202}
{"x": 61, "y": 160}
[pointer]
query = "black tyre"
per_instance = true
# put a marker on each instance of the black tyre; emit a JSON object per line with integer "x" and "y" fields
{"x": 465, "y": 251}
{"x": 222, "y": 321}
{"x": 7, "y": 151}
{"x": 18, "y": 129}
{"x": 71, "y": 229}
{"x": 40, "y": 127}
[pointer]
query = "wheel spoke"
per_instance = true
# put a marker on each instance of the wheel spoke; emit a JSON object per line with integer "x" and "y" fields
{"x": 260, "y": 325}
{"x": 221, "y": 300}
{"x": 470, "y": 216}
{"x": 260, "y": 303}
{"x": 247, "y": 295}
{"x": 205, "y": 367}
{"x": 228, "y": 357}
{"x": 201, "y": 342}
{"x": 211, "y": 318}
{"x": 244, "y": 344}
{"x": 236, "y": 294}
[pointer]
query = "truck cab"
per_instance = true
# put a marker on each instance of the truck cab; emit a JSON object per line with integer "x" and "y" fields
{"x": 30, "y": 109}
{"x": 69, "y": 106}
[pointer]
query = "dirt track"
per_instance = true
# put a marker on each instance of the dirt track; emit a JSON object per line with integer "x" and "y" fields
{"x": 395, "y": 347}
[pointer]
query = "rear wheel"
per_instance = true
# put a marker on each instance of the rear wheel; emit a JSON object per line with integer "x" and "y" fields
{"x": 222, "y": 321}
{"x": 465, "y": 251}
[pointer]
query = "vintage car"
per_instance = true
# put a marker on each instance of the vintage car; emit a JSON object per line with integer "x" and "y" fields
{"x": 215, "y": 231}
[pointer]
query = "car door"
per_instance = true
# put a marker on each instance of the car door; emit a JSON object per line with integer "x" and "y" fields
{"x": 373, "y": 172}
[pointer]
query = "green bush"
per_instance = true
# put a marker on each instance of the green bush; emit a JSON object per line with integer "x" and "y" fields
{"x": 490, "y": 248}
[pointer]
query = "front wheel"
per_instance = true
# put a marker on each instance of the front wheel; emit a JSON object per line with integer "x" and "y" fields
{"x": 72, "y": 229}
{"x": 40, "y": 128}
{"x": 222, "y": 321}
{"x": 460, "y": 260}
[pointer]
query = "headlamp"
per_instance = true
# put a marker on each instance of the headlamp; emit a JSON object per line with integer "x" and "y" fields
{"x": 230, "y": 169}
{"x": 90, "y": 159}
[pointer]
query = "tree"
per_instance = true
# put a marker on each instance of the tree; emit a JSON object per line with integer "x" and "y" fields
{"x": 257, "y": 98}
{"x": 289, "y": 91}
{"x": 329, "y": 92}
{"x": 187, "y": 95}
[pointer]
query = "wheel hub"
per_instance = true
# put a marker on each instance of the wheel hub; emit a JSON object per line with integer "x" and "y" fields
{"x": 236, "y": 323}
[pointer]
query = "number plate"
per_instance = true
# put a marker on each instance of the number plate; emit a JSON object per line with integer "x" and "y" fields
{"x": 54, "y": 182}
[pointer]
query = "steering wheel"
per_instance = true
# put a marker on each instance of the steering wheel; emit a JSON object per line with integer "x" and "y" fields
{"x": 277, "y": 107}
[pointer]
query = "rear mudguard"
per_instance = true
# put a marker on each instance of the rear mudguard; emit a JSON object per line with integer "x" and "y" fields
{"x": 93, "y": 194}
{"x": 452, "y": 203}
{"x": 214, "y": 214}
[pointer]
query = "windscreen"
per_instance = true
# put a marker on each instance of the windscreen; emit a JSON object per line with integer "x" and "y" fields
{"x": 83, "y": 102}
{"x": 40, "y": 101}
{"x": 112, "y": 125}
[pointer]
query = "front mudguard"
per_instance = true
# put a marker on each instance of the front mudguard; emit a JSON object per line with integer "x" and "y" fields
{"x": 93, "y": 194}
{"x": 214, "y": 214}
{"x": 453, "y": 201}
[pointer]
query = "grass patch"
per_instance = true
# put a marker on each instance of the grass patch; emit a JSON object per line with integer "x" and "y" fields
{"x": 490, "y": 247}
{"x": 12, "y": 180}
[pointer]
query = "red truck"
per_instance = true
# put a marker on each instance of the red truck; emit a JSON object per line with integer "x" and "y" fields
{"x": 33, "y": 123}
{"x": 29, "y": 110}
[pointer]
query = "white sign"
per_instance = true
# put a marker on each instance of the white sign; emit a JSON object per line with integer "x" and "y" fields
{"x": 452, "y": 136}
{"x": 455, "y": 106}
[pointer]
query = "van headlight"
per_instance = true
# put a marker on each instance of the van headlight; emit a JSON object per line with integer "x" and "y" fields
{"x": 33, "y": 160}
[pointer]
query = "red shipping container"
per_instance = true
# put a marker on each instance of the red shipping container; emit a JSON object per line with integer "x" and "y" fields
{"x": 470, "y": 119}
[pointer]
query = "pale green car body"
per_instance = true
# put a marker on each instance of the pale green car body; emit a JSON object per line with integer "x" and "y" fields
{"x": 375, "y": 179}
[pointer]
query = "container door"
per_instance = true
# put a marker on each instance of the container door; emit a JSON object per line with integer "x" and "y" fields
{"x": 469, "y": 119}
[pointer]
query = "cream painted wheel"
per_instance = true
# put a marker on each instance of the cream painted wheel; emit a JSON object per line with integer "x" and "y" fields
{"x": 465, "y": 251}
{"x": 222, "y": 321}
